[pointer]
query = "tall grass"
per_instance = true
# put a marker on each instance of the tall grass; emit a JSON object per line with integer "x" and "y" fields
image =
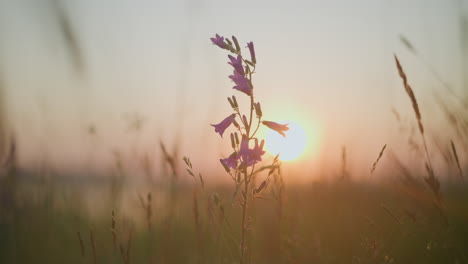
{"x": 181, "y": 222}
{"x": 431, "y": 179}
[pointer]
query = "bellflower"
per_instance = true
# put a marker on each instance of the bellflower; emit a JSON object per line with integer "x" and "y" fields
{"x": 219, "y": 128}
{"x": 219, "y": 41}
{"x": 250, "y": 156}
{"x": 244, "y": 146}
{"x": 277, "y": 127}
{"x": 244, "y": 158}
{"x": 231, "y": 161}
{"x": 257, "y": 152}
{"x": 237, "y": 64}
{"x": 242, "y": 84}
{"x": 250, "y": 45}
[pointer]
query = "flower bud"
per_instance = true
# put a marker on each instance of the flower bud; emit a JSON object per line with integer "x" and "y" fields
{"x": 235, "y": 123}
{"x": 233, "y": 143}
{"x": 258, "y": 110}
{"x": 236, "y": 43}
{"x": 237, "y": 138}
{"x": 231, "y": 102}
{"x": 250, "y": 45}
{"x": 228, "y": 46}
{"x": 244, "y": 120}
{"x": 235, "y": 102}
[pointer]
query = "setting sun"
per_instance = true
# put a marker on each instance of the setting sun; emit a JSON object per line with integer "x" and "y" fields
{"x": 289, "y": 147}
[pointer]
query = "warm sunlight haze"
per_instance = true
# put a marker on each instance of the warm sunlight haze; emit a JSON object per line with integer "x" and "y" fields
{"x": 289, "y": 147}
{"x": 243, "y": 132}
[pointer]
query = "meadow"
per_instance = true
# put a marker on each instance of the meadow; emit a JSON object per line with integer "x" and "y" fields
{"x": 399, "y": 215}
{"x": 411, "y": 205}
{"x": 323, "y": 222}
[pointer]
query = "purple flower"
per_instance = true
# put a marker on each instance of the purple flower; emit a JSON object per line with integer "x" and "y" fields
{"x": 219, "y": 41}
{"x": 244, "y": 146}
{"x": 231, "y": 161}
{"x": 277, "y": 127}
{"x": 237, "y": 64}
{"x": 242, "y": 84}
{"x": 219, "y": 128}
{"x": 252, "y": 52}
{"x": 250, "y": 156}
{"x": 257, "y": 152}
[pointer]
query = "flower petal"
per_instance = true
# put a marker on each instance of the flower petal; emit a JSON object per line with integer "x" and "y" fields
{"x": 237, "y": 64}
{"x": 219, "y": 41}
{"x": 277, "y": 127}
{"x": 221, "y": 127}
{"x": 242, "y": 84}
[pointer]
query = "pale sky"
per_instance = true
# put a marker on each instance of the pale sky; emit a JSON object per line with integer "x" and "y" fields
{"x": 326, "y": 65}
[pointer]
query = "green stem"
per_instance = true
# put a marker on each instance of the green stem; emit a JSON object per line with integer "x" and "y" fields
{"x": 256, "y": 129}
{"x": 246, "y": 184}
{"x": 244, "y": 215}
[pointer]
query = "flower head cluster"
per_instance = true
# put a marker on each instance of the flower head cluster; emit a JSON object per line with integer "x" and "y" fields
{"x": 247, "y": 151}
{"x": 246, "y": 156}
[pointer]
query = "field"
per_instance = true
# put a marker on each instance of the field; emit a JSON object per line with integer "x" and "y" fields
{"x": 146, "y": 202}
{"x": 341, "y": 221}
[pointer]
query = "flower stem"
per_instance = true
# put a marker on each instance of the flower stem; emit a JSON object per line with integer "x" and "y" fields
{"x": 247, "y": 179}
{"x": 244, "y": 215}
{"x": 251, "y": 114}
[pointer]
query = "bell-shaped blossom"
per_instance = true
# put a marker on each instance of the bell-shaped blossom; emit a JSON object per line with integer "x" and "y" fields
{"x": 237, "y": 64}
{"x": 244, "y": 146}
{"x": 277, "y": 127}
{"x": 221, "y": 127}
{"x": 250, "y": 156}
{"x": 250, "y": 45}
{"x": 257, "y": 152}
{"x": 231, "y": 161}
{"x": 242, "y": 84}
{"x": 219, "y": 41}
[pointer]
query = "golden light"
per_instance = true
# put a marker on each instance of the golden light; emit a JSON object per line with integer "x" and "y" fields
{"x": 289, "y": 147}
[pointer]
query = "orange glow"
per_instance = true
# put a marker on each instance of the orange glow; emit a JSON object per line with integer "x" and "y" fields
{"x": 302, "y": 139}
{"x": 289, "y": 147}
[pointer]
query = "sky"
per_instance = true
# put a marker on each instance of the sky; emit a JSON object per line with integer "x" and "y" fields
{"x": 147, "y": 72}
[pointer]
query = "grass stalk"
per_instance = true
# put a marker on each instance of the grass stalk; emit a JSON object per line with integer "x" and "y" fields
{"x": 93, "y": 245}
{"x": 454, "y": 150}
{"x": 431, "y": 180}
{"x": 82, "y": 248}
{"x": 378, "y": 159}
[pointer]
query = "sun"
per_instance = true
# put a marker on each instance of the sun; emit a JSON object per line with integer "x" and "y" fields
{"x": 289, "y": 147}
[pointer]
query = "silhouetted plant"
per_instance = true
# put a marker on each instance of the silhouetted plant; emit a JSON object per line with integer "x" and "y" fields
{"x": 240, "y": 164}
